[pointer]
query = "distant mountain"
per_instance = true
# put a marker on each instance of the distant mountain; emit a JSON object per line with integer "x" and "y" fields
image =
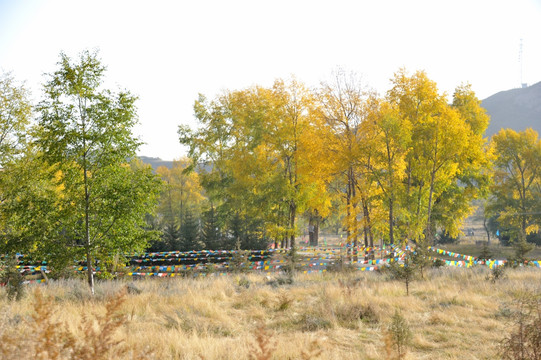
{"x": 516, "y": 109}
{"x": 156, "y": 162}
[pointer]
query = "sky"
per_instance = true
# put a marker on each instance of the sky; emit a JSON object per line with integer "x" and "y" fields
{"x": 167, "y": 52}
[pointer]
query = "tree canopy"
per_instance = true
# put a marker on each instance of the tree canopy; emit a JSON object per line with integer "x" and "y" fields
{"x": 82, "y": 195}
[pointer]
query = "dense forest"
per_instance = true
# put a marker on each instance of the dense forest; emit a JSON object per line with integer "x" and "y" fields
{"x": 403, "y": 167}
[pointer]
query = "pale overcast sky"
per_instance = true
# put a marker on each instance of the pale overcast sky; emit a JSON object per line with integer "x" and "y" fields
{"x": 167, "y": 52}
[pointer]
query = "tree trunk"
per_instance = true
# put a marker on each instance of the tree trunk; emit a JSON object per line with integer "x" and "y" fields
{"x": 391, "y": 228}
{"x": 369, "y": 241}
{"x": 348, "y": 220}
{"x": 429, "y": 237}
{"x": 90, "y": 273}
{"x": 355, "y": 243}
{"x": 292, "y": 216}
{"x": 313, "y": 228}
{"x": 485, "y": 225}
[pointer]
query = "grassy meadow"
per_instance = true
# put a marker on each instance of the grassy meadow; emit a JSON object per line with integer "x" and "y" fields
{"x": 455, "y": 313}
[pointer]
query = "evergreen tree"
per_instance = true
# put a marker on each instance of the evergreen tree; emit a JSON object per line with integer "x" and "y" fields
{"x": 189, "y": 233}
{"x": 211, "y": 232}
{"x": 247, "y": 232}
{"x": 171, "y": 237}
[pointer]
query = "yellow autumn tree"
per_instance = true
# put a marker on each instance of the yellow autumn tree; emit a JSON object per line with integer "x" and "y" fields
{"x": 255, "y": 141}
{"x": 342, "y": 104}
{"x": 389, "y": 142}
{"x": 182, "y": 191}
{"x": 438, "y": 153}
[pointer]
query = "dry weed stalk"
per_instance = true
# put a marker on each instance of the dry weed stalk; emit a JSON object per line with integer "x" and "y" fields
{"x": 265, "y": 345}
{"x": 313, "y": 351}
{"x": 524, "y": 342}
{"x": 48, "y": 339}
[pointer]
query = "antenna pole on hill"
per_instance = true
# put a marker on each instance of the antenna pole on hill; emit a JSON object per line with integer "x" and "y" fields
{"x": 520, "y": 57}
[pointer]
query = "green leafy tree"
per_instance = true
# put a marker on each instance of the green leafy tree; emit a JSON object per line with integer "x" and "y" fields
{"x": 516, "y": 184}
{"x": 85, "y": 132}
{"x": 15, "y": 112}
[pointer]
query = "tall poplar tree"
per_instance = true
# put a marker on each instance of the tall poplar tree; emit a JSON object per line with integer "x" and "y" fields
{"x": 342, "y": 104}
{"x": 517, "y": 182}
{"x": 438, "y": 151}
{"x": 86, "y": 132}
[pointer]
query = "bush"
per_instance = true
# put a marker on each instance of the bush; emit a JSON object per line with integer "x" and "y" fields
{"x": 521, "y": 248}
{"x": 405, "y": 273}
{"x": 398, "y": 337}
{"x": 47, "y": 338}
{"x": 445, "y": 238}
{"x": 11, "y": 277}
{"x": 486, "y": 254}
{"x": 496, "y": 273}
{"x": 524, "y": 341}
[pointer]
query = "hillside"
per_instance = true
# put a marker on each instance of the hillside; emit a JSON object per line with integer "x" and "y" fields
{"x": 156, "y": 162}
{"x": 517, "y": 109}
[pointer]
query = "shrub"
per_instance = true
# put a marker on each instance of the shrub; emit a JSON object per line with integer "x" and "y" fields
{"x": 398, "y": 337}
{"x": 239, "y": 261}
{"x": 348, "y": 314}
{"x": 47, "y": 338}
{"x": 521, "y": 248}
{"x": 486, "y": 254}
{"x": 496, "y": 273}
{"x": 11, "y": 277}
{"x": 524, "y": 341}
{"x": 405, "y": 273}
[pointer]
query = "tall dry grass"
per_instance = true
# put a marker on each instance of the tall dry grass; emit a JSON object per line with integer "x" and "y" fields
{"x": 453, "y": 314}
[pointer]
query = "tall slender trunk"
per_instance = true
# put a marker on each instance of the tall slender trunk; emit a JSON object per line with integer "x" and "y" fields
{"x": 523, "y": 204}
{"x": 348, "y": 217}
{"x": 365, "y": 232}
{"x": 408, "y": 194}
{"x": 429, "y": 237}
{"x": 485, "y": 225}
{"x": 88, "y": 249}
{"x": 391, "y": 227}
{"x": 181, "y": 220}
{"x": 367, "y": 224}
{"x": 292, "y": 216}
{"x": 390, "y": 191}
{"x": 90, "y": 273}
{"x": 313, "y": 228}
{"x": 355, "y": 221}
{"x": 419, "y": 198}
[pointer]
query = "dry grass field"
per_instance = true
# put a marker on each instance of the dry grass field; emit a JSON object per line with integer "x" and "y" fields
{"x": 455, "y": 313}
